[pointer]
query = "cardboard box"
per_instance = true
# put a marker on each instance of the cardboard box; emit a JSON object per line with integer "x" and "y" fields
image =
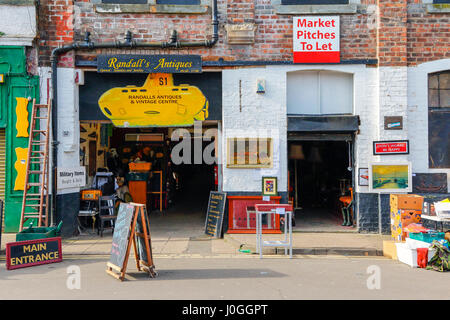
{"x": 401, "y": 219}
{"x": 390, "y": 249}
{"x": 406, "y": 201}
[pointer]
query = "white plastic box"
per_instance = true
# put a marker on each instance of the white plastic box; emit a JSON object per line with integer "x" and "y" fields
{"x": 442, "y": 209}
{"x": 408, "y": 254}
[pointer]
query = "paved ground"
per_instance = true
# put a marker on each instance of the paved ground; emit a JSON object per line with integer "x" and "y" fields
{"x": 238, "y": 278}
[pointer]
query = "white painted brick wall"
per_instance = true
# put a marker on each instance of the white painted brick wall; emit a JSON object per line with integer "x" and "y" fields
{"x": 68, "y": 123}
{"x": 418, "y": 114}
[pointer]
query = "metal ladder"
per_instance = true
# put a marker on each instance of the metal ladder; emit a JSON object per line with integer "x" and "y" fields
{"x": 35, "y": 200}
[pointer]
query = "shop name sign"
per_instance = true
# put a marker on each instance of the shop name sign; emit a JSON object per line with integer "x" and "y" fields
{"x": 71, "y": 177}
{"x": 316, "y": 39}
{"x": 391, "y": 147}
{"x": 23, "y": 254}
{"x": 124, "y": 63}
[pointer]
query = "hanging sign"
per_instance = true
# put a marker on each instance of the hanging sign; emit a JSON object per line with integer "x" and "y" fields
{"x": 391, "y": 147}
{"x": 149, "y": 63}
{"x": 316, "y": 39}
{"x": 158, "y": 102}
{"x": 23, "y": 254}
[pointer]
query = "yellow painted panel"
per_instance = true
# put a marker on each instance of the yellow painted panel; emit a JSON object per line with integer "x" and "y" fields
{"x": 22, "y": 117}
{"x": 157, "y": 103}
{"x": 21, "y": 167}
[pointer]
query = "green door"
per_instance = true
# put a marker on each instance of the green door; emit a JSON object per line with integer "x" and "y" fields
{"x": 17, "y": 84}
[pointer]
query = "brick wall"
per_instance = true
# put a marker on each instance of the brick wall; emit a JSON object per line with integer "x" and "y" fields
{"x": 55, "y": 23}
{"x": 428, "y": 35}
{"x": 407, "y": 34}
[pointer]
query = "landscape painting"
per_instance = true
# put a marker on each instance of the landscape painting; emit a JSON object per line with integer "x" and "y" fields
{"x": 390, "y": 177}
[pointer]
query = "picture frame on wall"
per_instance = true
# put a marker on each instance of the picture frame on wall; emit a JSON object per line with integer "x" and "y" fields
{"x": 390, "y": 177}
{"x": 246, "y": 153}
{"x": 269, "y": 186}
{"x": 363, "y": 177}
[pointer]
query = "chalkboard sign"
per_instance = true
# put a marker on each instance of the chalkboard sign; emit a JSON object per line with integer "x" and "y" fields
{"x": 121, "y": 235}
{"x": 214, "y": 215}
{"x": 23, "y": 254}
{"x": 132, "y": 227}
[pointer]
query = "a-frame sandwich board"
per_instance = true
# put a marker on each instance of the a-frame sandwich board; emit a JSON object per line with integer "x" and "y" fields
{"x": 131, "y": 228}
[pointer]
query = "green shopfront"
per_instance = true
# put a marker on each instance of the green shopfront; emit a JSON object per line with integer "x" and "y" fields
{"x": 15, "y": 82}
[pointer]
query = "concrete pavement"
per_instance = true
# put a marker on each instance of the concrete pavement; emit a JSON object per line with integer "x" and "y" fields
{"x": 192, "y": 241}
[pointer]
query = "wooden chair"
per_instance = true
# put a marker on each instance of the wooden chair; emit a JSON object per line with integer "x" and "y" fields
{"x": 106, "y": 206}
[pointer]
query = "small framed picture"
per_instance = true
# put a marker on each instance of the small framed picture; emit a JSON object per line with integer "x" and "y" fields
{"x": 269, "y": 186}
{"x": 363, "y": 176}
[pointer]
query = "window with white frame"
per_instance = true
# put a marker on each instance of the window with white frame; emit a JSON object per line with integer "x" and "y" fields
{"x": 319, "y": 93}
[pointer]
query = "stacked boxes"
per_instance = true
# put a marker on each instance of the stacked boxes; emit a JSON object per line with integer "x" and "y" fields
{"x": 405, "y": 209}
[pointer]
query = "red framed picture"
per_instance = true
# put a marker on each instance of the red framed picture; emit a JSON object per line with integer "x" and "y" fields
{"x": 30, "y": 253}
{"x": 390, "y": 147}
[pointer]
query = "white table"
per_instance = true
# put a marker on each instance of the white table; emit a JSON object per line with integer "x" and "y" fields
{"x": 281, "y": 209}
{"x": 436, "y": 219}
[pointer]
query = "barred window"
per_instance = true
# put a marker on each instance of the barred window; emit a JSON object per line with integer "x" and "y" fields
{"x": 438, "y": 119}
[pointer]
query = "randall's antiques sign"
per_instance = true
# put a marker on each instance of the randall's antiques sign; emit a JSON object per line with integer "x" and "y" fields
{"x": 149, "y": 63}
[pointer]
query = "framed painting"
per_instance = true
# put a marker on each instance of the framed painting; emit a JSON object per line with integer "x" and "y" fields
{"x": 269, "y": 186}
{"x": 363, "y": 176}
{"x": 249, "y": 153}
{"x": 390, "y": 177}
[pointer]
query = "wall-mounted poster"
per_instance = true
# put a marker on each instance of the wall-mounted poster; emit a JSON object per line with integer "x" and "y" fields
{"x": 269, "y": 186}
{"x": 390, "y": 177}
{"x": 363, "y": 176}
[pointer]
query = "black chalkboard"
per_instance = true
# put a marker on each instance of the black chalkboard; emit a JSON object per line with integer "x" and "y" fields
{"x": 121, "y": 234}
{"x": 214, "y": 214}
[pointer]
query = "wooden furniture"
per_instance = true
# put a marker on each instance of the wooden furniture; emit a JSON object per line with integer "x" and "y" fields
{"x": 275, "y": 210}
{"x": 160, "y": 192}
{"x": 242, "y": 218}
{"x": 106, "y": 206}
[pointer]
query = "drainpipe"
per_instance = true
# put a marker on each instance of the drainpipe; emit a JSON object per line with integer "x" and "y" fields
{"x": 87, "y": 45}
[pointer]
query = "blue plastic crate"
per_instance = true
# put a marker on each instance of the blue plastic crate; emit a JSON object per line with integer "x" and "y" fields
{"x": 427, "y": 236}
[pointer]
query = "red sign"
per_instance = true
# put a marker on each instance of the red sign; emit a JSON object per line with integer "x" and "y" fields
{"x": 316, "y": 39}
{"x": 23, "y": 254}
{"x": 391, "y": 147}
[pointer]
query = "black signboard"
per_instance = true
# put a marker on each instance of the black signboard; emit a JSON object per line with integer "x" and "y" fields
{"x": 121, "y": 234}
{"x": 23, "y": 254}
{"x": 214, "y": 215}
{"x": 128, "y": 63}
